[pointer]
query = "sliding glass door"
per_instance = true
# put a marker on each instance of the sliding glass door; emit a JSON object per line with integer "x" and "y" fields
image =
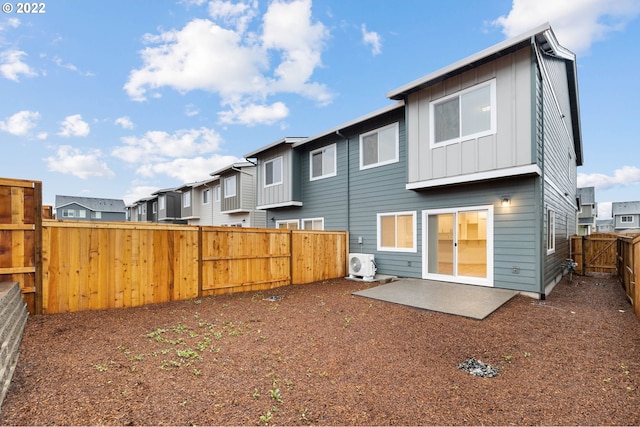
{"x": 458, "y": 245}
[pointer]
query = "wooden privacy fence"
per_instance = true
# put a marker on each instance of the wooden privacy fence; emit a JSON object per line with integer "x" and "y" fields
{"x": 96, "y": 265}
{"x": 628, "y": 262}
{"x": 595, "y": 253}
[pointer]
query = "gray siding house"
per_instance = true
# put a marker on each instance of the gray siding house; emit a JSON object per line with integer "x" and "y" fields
{"x": 626, "y": 216}
{"x": 203, "y": 201}
{"x": 237, "y": 197}
{"x": 469, "y": 178}
{"x": 166, "y": 206}
{"x": 90, "y": 209}
{"x": 588, "y": 211}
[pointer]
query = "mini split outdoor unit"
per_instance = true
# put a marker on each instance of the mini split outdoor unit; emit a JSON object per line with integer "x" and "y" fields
{"x": 362, "y": 266}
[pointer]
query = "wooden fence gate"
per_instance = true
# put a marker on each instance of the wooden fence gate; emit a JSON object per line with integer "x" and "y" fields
{"x": 595, "y": 253}
{"x": 21, "y": 236}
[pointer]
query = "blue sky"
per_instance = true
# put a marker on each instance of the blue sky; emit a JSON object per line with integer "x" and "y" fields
{"x": 119, "y": 98}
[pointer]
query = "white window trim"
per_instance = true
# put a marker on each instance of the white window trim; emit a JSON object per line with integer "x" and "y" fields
{"x": 186, "y": 199}
{"x": 551, "y": 231}
{"x": 206, "y": 191}
{"x": 491, "y": 131}
{"x": 396, "y": 249}
{"x": 154, "y": 207}
{"x": 216, "y": 193}
{"x": 624, "y": 217}
{"x": 161, "y": 202}
{"x": 288, "y": 221}
{"x": 235, "y": 187}
{"x": 396, "y": 158}
{"x": 335, "y": 162}
{"x": 275, "y": 182}
{"x": 312, "y": 219}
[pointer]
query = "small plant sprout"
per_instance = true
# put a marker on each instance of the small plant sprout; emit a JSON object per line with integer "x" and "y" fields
{"x": 507, "y": 358}
{"x": 101, "y": 367}
{"x": 197, "y": 372}
{"x": 347, "y": 320}
{"x": 275, "y": 392}
{"x": 256, "y": 393}
{"x": 527, "y": 354}
{"x": 266, "y": 418}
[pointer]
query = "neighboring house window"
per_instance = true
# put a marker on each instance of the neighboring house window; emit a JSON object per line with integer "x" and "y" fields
{"x": 186, "y": 199}
{"x": 230, "y": 187}
{"x": 313, "y": 224}
{"x": 379, "y": 147}
{"x": 68, "y": 213}
{"x": 144, "y": 209}
{"x": 397, "y": 232}
{"x": 323, "y": 162}
{"x": 154, "y": 207}
{"x": 216, "y": 193}
{"x": 470, "y": 113}
{"x": 206, "y": 196}
{"x": 161, "y": 202}
{"x": 273, "y": 172}
{"x": 96, "y": 215}
{"x": 626, "y": 219}
{"x": 290, "y": 224}
{"x": 551, "y": 231}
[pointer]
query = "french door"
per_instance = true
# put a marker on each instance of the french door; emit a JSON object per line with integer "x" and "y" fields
{"x": 458, "y": 245}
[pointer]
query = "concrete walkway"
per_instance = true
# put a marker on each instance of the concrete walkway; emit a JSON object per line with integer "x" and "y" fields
{"x": 476, "y": 302}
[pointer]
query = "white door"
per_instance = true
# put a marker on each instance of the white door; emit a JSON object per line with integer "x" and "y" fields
{"x": 457, "y": 245}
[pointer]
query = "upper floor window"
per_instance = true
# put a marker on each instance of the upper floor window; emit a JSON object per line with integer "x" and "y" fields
{"x": 626, "y": 218}
{"x": 186, "y": 199}
{"x": 273, "y": 172}
{"x": 470, "y": 113}
{"x": 161, "y": 202}
{"x": 323, "y": 162}
{"x": 216, "y": 193}
{"x": 230, "y": 187}
{"x": 206, "y": 196}
{"x": 379, "y": 147}
{"x": 154, "y": 207}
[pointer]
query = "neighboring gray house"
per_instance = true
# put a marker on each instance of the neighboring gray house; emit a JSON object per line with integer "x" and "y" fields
{"x": 166, "y": 206}
{"x": 90, "y": 209}
{"x": 626, "y": 216}
{"x": 237, "y": 197}
{"x": 470, "y": 178}
{"x": 588, "y": 211}
{"x": 604, "y": 226}
{"x": 203, "y": 201}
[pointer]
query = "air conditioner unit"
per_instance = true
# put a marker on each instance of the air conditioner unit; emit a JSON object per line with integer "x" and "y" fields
{"x": 362, "y": 266}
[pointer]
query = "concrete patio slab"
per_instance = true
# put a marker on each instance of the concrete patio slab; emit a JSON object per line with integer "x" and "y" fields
{"x": 476, "y": 302}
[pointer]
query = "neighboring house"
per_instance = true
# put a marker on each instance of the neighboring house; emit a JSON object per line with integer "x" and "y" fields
{"x": 166, "y": 207}
{"x": 238, "y": 197}
{"x": 203, "y": 202}
{"x": 604, "y": 226}
{"x": 626, "y": 216}
{"x": 470, "y": 178}
{"x": 90, "y": 209}
{"x": 588, "y": 211}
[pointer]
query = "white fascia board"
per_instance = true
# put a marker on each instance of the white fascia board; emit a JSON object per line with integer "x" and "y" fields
{"x": 279, "y": 205}
{"x": 475, "y": 177}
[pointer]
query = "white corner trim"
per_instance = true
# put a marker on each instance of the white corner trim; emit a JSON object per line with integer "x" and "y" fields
{"x": 473, "y": 177}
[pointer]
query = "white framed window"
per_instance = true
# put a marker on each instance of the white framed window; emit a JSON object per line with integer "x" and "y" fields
{"x": 216, "y": 193}
{"x": 379, "y": 147}
{"x": 230, "y": 187}
{"x": 551, "y": 231}
{"x": 273, "y": 172}
{"x": 397, "y": 231}
{"x": 81, "y": 213}
{"x": 206, "y": 196}
{"x": 626, "y": 219}
{"x": 96, "y": 215}
{"x": 161, "y": 202}
{"x": 154, "y": 207}
{"x": 323, "y": 163}
{"x": 144, "y": 209}
{"x": 470, "y": 113}
{"x": 186, "y": 199}
{"x": 313, "y": 223}
{"x": 288, "y": 224}
{"x": 68, "y": 213}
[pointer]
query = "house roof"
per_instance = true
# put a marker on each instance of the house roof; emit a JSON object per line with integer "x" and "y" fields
{"x": 622, "y": 208}
{"x": 348, "y": 124}
{"x": 545, "y": 38}
{"x": 587, "y": 195}
{"x": 232, "y": 167}
{"x": 198, "y": 183}
{"x": 286, "y": 140}
{"x": 91, "y": 203}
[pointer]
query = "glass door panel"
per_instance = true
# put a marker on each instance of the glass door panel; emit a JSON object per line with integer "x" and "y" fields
{"x": 440, "y": 232}
{"x": 472, "y": 244}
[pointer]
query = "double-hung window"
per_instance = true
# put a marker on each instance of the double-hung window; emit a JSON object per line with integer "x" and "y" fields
{"x": 186, "y": 199}
{"x": 206, "y": 196}
{"x": 470, "y": 113}
{"x": 323, "y": 162}
{"x": 551, "y": 231}
{"x": 230, "y": 187}
{"x": 273, "y": 172}
{"x": 379, "y": 147}
{"x": 397, "y": 231}
{"x": 161, "y": 202}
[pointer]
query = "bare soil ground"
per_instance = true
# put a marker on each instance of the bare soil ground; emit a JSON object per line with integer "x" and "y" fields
{"x": 320, "y": 356}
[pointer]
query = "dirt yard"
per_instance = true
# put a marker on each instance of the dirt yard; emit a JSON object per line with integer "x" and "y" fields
{"x": 316, "y": 355}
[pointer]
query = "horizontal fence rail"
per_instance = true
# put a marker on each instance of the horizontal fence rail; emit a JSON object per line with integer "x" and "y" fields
{"x": 97, "y": 265}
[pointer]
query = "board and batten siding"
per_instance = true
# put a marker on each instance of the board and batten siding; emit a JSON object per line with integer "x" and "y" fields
{"x": 279, "y": 193}
{"x": 511, "y": 144}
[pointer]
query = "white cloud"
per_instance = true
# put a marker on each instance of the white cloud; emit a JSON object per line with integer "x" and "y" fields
{"x": 604, "y": 210}
{"x": 138, "y": 192}
{"x": 124, "y": 122}
{"x": 627, "y": 175}
{"x": 69, "y": 160}
{"x": 160, "y": 146}
{"x": 188, "y": 170}
{"x": 222, "y": 56}
{"x": 577, "y": 24}
{"x": 11, "y": 22}
{"x": 12, "y": 66}
{"x": 372, "y": 39}
{"x": 254, "y": 114}
{"x": 21, "y": 123}
{"x": 74, "y": 126}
